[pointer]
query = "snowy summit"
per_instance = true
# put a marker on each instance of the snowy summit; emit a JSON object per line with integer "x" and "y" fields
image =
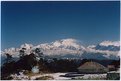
{"x": 70, "y": 48}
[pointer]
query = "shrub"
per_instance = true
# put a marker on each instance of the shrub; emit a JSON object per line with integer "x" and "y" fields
{"x": 45, "y": 78}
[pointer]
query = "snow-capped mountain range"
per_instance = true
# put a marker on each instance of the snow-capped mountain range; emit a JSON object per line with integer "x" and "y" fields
{"x": 71, "y": 48}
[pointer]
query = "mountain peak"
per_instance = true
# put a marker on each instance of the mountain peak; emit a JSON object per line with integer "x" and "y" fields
{"x": 67, "y": 43}
{"x": 26, "y": 45}
{"x": 71, "y": 48}
{"x": 110, "y": 43}
{"x": 69, "y": 40}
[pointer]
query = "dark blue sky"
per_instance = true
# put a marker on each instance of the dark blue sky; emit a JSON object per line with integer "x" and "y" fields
{"x": 40, "y": 22}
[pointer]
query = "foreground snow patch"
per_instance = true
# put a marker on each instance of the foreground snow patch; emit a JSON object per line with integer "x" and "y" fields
{"x": 56, "y": 76}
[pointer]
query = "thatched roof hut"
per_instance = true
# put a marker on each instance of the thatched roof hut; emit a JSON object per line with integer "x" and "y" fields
{"x": 92, "y": 67}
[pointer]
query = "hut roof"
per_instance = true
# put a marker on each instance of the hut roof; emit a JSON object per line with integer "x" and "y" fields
{"x": 92, "y": 67}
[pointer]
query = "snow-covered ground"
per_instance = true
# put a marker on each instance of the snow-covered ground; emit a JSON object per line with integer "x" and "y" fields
{"x": 57, "y": 76}
{"x": 87, "y": 76}
{"x": 61, "y": 76}
{"x": 19, "y": 76}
